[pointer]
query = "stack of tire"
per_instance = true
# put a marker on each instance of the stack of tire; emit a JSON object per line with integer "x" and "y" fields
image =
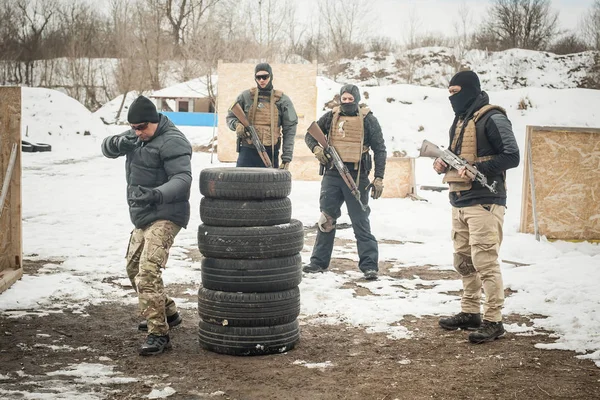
{"x": 249, "y": 300}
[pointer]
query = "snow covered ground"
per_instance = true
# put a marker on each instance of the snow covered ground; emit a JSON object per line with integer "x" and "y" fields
{"x": 75, "y": 216}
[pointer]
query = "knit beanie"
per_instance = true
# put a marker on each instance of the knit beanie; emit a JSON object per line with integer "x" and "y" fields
{"x": 142, "y": 110}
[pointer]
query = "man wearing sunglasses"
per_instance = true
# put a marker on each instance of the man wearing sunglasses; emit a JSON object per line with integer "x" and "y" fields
{"x": 159, "y": 176}
{"x": 273, "y": 115}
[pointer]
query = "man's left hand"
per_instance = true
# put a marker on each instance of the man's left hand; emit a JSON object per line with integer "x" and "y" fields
{"x": 377, "y": 190}
{"x": 465, "y": 173}
{"x": 148, "y": 196}
{"x": 285, "y": 165}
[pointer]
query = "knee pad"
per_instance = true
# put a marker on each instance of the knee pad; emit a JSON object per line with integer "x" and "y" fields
{"x": 463, "y": 264}
{"x": 326, "y": 223}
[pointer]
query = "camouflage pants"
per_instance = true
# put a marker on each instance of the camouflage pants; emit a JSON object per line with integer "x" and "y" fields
{"x": 477, "y": 235}
{"x": 147, "y": 254}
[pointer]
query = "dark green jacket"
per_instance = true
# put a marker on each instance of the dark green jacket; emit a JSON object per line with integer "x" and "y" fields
{"x": 162, "y": 163}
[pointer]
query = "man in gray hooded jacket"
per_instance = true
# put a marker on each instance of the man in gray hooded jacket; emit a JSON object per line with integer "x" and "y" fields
{"x": 273, "y": 115}
{"x": 159, "y": 176}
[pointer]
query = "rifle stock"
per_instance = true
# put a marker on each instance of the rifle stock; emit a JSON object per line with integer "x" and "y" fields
{"x": 241, "y": 116}
{"x": 315, "y": 131}
{"x": 431, "y": 150}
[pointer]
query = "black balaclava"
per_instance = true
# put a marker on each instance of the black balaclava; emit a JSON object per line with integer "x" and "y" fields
{"x": 264, "y": 67}
{"x": 470, "y": 89}
{"x": 350, "y": 109}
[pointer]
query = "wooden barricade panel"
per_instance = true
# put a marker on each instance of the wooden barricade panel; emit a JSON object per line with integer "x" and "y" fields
{"x": 566, "y": 176}
{"x": 298, "y": 81}
{"x": 11, "y": 268}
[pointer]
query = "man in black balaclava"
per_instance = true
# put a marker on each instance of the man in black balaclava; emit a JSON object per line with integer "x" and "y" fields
{"x": 352, "y": 130}
{"x": 273, "y": 115}
{"x": 468, "y": 81}
{"x": 482, "y": 135}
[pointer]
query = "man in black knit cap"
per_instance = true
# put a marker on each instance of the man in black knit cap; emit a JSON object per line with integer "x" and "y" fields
{"x": 273, "y": 115}
{"x": 159, "y": 176}
{"x": 482, "y": 135}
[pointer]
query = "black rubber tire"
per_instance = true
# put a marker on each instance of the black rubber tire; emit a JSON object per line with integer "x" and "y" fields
{"x": 251, "y": 242}
{"x": 220, "y": 212}
{"x": 27, "y": 147}
{"x": 248, "y": 309}
{"x": 252, "y": 276}
{"x": 245, "y": 183}
{"x": 244, "y": 341}
{"x": 41, "y": 147}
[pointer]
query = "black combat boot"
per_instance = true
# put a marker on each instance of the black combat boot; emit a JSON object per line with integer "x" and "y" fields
{"x": 461, "y": 321}
{"x": 488, "y": 332}
{"x": 370, "y": 275}
{"x": 155, "y": 344}
{"x": 172, "y": 320}
{"x": 313, "y": 269}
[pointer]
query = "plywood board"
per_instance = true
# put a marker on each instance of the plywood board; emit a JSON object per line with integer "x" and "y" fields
{"x": 399, "y": 180}
{"x": 10, "y": 220}
{"x": 298, "y": 81}
{"x": 566, "y": 176}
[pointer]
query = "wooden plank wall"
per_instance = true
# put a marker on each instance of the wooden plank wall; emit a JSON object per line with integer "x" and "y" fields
{"x": 11, "y": 253}
{"x": 566, "y": 174}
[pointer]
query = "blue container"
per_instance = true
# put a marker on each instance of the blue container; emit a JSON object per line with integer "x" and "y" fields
{"x": 192, "y": 118}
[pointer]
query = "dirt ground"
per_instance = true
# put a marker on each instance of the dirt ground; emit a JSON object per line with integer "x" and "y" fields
{"x": 433, "y": 364}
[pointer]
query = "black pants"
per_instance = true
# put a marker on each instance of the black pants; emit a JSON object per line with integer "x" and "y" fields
{"x": 248, "y": 157}
{"x": 334, "y": 193}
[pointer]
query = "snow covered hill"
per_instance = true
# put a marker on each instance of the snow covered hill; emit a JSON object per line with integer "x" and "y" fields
{"x": 434, "y": 66}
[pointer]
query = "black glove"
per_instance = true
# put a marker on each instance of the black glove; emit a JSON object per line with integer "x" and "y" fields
{"x": 125, "y": 144}
{"x": 146, "y": 196}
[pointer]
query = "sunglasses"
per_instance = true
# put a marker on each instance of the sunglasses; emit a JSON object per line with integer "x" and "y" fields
{"x": 262, "y": 77}
{"x": 139, "y": 127}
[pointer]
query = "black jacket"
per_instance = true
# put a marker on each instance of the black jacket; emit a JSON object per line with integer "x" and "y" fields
{"x": 162, "y": 163}
{"x": 494, "y": 137}
{"x": 373, "y": 139}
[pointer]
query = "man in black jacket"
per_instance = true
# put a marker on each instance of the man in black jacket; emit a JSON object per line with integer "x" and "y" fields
{"x": 352, "y": 130}
{"x": 481, "y": 134}
{"x": 159, "y": 176}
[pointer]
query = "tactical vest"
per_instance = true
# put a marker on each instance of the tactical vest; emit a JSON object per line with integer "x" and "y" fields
{"x": 347, "y": 135}
{"x": 468, "y": 149}
{"x": 264, "y": 116}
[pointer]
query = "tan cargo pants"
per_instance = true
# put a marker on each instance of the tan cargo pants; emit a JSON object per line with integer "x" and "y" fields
{"x": 477, "y": 235}
{"x": 147, "y": 255}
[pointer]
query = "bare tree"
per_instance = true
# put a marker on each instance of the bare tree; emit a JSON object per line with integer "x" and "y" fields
{"x": 591, "y": 26}
{"x": 412, "y": 29}
{"x": 183, "y": 13}
{"x": 525, "y": 24}
{"x": 345, "y": 22}
{"x": 34, "y": 19}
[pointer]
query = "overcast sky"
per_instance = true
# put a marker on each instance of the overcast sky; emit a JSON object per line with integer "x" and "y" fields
{"x": 391, "y": 17}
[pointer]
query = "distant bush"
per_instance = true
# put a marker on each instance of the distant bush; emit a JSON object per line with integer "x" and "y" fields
{"x": 568, "y": 45}
{"x": 421, "y": 128}
{"x": 524, "y": 103}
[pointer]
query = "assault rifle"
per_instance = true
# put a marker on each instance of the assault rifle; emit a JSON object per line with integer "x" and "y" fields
{"x": 262, "y": 152}
{"x": 315, "y": 131}
{"x": 429, "y": 149}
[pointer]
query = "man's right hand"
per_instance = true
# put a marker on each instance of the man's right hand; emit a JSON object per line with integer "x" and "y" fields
{"x": 440, "y": 166}
{"x": 125, "y": 143}
{"x": 321, "y": 155}
{"x": 240, "y": 131}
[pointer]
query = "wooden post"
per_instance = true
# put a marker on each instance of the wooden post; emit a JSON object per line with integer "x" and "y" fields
{"x": 11, "y": 243}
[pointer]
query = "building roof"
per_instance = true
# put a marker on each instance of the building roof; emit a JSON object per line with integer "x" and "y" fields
{"x": 195, "y": 88}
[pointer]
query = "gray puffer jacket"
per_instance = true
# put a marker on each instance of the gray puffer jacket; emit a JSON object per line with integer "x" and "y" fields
{"x": 162, "y": 163}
